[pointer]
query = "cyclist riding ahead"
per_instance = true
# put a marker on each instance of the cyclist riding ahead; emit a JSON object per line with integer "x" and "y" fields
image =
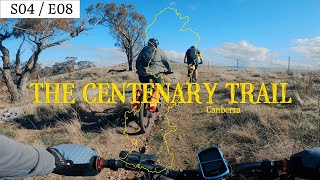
{"x": 148, "y": 62}
{"x": 148, "y": 69}
{"x": 191, "y": 58}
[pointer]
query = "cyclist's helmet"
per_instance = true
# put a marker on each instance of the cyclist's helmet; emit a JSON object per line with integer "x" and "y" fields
{"x": 153, "y": 42}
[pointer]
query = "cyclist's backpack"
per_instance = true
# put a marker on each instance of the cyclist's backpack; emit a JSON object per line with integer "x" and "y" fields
{"x": 146, "y": 56}
{"x": 192, "y": 55}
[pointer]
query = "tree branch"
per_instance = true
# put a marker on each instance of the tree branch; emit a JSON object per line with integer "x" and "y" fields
{"x": 18, "y": 56}
{"x": 120, "y": 30}
{"x": 22, "y": 29}
{"x": 5, "y": 56}
{"x": 95, "y": 24}
{"x": 49, "y": 35}
{"x": 72, "y": 35}
{"x": 137, "y": 35}
{"x": 5, "y": 36}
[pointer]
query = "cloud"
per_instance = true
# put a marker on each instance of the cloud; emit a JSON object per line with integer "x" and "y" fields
{"x": 112, "y": 50}
{"x": 309, "y": 47}
{"x": 102, "y": 56}
{"x": 242, "y": 50}
{"x": 67, "y": 45}
{"x": 109, "y": 56}
{"x": 172, "y": 3}
{"x": 64, "y": 46}
{"x": 175, "y": 55}
{"x": 112, "y": 53}
{"x": 193, "y": 6}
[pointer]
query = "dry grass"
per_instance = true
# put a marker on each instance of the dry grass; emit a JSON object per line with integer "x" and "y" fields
{"x": 259, "y": 132}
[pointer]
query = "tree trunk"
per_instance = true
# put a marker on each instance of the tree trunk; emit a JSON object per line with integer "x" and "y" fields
{"x": 130, "y": 60}
{"x": 25, "y": 75}
{"x": 12, "y": 88}
{"x": 24, "y": 83}
{"x": 130, "y": 65}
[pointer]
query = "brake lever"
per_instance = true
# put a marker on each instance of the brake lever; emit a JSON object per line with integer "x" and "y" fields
{"x": 136, "y": 159}
{"x": 142, "y": 150}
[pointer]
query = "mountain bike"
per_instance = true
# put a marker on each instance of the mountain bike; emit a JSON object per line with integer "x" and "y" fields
{"x": 148, "y": 111}
{"x": 192, "y": 73}
{"x": 212, "y": 165}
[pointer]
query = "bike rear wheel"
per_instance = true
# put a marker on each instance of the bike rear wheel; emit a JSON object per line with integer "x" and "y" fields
{"x": 192, "y": 78}
{"x": 145, "y": 118}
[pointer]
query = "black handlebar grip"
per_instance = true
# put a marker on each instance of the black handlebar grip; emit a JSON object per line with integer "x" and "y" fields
{"x": 105, "y": 163}
{"x": 112, "y": 164}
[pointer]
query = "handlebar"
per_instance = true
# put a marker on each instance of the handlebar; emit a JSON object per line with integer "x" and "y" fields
{"x": 167, "y": 72}
{"x": 201, "y": 62}
{"x": 266, "y": 165}
{"x": 153, "y": 169}
{"x": 262, "y": 170}
{"x": 136, "y": 161}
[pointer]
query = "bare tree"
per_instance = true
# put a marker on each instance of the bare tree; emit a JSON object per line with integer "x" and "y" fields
{"x": 6, "y": 32}
{"x": 125, "y": 25}
{"x": 40, "y": 34}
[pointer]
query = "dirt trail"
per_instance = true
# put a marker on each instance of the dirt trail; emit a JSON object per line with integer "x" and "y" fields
{"x": 144, "y": 139}
{"x": 142, "y": 143}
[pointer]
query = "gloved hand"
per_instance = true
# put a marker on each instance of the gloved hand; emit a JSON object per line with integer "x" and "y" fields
{"x": 169, "y": 71}
{"x": 305, "y": 164}
{"x": 74, "y": 160}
